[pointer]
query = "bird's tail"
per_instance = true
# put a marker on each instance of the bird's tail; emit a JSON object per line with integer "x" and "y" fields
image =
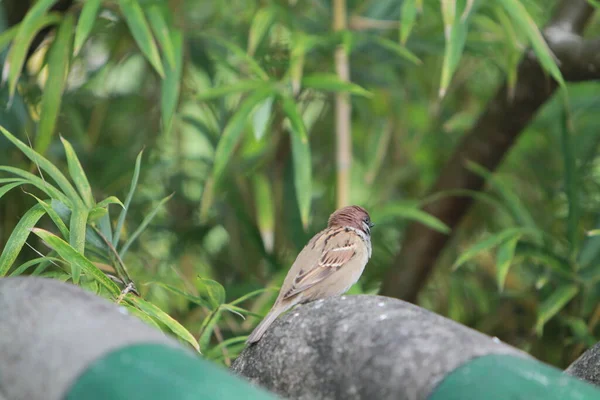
{"x": 261, "y": 328}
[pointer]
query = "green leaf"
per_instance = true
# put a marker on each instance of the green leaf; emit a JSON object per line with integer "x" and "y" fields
{"x": 261, "y": 117}
{"x": 21, "y": 269}
{"x": 77, "y": 174}
{"x": 88, "y": 15}
{"x": 77, "y": 229}
{"x": 165, "y": 318}
{"x": 408, "y": 211}
{"x": 571, "y": 182}
{"x": 96, "y": 213}
{"x": 75, "y": 258}
{"x": 233, "y": 130}
{"x": 141, "y": 315}
{"x": 261, "y": 23}
{"x": 248, "y": 60}
{"x": 455, "y": 30}
{"x": 18, "y": 237}
{"x": 64, "y": 231}
{"x": 408, "y": 15}
{"x": 553, "y": 304}
{"x": 332, "y": 83}
{"x": 250, "y": 295}
{"x": 194, "y": 299}
{"x": 46, "y": 166}
{"x": 10, "y": 186}
{"x": 170, "y": 86}
{"x": 488, "y": 243}
{"x": 110, "y": 200}
{"x": 34, "y": 20}
{"x": 59, "y": 58}
{"x": 519, "y": 212}
{"x": 265, "y": 209}
{"x": 546, "y": 257}
{"x": 527, "y": 25}
{"x": 213, "y": 290}
{"x": 237, "y": 87}
{"x": 394, "y": 47}
{"x": 301, "y": 159}
{"x": 504, "y": 257}
{"x": 240, "y": 311}
{"x": 141, "y": 33}
{"x": 134, "y": 181}
{"x": 163, "y": 35}
{"x": 142, "y": 226}
{"x": 38, "y": 183}
{"x": 8, "y": 36}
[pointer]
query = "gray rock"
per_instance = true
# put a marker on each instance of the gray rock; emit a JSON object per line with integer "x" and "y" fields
{"x": 51, "y": 331}
{"x": 587, "y": 366}
{"x": 361, "y": 347}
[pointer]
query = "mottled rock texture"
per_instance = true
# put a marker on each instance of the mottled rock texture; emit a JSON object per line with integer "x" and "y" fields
{"x": 587, "y": 366}
{"x": 361, "y": 347}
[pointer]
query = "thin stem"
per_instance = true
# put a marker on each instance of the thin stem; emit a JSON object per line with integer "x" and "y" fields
{"x": 343, "y": 110}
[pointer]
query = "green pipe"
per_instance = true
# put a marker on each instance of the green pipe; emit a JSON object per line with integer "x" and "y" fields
{"x": 504, "y": 377}
{"x": 159, "y": 372}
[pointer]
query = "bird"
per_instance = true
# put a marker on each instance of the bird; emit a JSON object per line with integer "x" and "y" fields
{"x": 327, "y": 266}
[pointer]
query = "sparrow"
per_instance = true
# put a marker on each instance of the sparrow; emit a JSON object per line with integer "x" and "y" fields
{"x": 329, "y": 264}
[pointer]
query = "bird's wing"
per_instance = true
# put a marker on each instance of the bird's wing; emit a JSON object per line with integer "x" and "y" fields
{"x": 337, "y": 250}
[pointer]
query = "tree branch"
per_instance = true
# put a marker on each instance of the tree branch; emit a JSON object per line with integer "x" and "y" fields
{"x": 490, "y": 139}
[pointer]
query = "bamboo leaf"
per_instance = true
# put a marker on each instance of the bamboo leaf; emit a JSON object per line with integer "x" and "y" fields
{"x": 75, "y": 258}
{"x": 170, "y": 86}
{"x": 233, "y": 130}
{"x": 46, "y": 166}
{"x": 194, "y": 299}
{"x": 141, "y": 315}
{"x": 527, "y": 25}
{"x": 64, "y": 231}
{"x": 88, "y": 15}
{"x": 77, "y": 174}
{"x": 39, "y": 183}
{"x": 165, "y": 318}
{"x": 142, "y": 226}
{"x": 571, "y": 183}
{"x": 59, "y": 58}
{"x": 489, "y": 243}
{"x": 553, "y": 304}
{"x": 504, "y": 258}
{"x": 408, "y": 15}
{"x": 261, "y": 23}
{"x": 123, "y": 214}
{"x": 411, "y": 212}
{"x": 455, "y": 33}
{"x": 18, "y": 237}
{"x": 10, "y": 186}
{"x": 34, "y": 20}
{"x": 8, "y": 36}
{"x": 213, "y": 290}
{"x": 301, "y": 159}
{"x": 110, "y": 200}
{"x": 332, "y": 83}
{"x": 265, "y": 210}
{"x": 77, "y": 230}
{"x": 261, "y": 117}
{"x": 162, "y": 33}
{"x": 237, "y": 87}
{"x": 248, "y": 60}
{"x": 134, "y": 16}
{"x": 250, "y": 295}
{"x": 394, "y": 47}
{"x": 546, "y": 257}
{"x": 21, "y": 269}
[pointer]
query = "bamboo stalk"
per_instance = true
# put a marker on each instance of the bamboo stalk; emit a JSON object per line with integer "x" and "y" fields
{"x": 343, "y": 111}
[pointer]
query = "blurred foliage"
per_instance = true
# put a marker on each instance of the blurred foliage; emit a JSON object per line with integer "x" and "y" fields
{"x": 232, "y": 102}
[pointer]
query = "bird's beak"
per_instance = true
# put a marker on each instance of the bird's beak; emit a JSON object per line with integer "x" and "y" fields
{"x": 371, "y": 224}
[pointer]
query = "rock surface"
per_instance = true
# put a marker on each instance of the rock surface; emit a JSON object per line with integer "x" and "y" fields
{"x": 361, "y": 347}
{"x": 587, "y": 366}
{"x": 51, "y": 331}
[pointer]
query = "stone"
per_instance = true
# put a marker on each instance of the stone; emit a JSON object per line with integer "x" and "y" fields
{"x": 361, "y": 347}
{"x": 587, "y": 366}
